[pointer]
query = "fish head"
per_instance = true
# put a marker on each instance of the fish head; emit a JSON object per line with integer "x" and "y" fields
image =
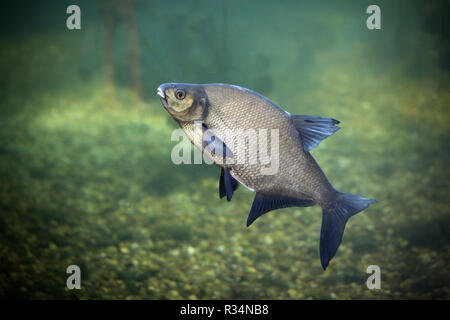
{"x": 184, "y": 101}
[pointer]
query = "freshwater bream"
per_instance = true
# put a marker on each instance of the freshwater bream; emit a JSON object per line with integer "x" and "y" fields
{"x": 209, "y": 112}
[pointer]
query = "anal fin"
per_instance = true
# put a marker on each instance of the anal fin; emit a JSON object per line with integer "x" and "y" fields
{"x": 265, "y": 203}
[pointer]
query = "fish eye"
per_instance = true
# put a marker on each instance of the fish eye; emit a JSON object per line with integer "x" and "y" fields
{"x": 180, "y": 94}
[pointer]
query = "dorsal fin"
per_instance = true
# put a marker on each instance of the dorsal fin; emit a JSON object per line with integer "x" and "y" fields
{"x": 265, "y": 203}
{"x": 314, "y": 129}
{"x": 227, "y": 184}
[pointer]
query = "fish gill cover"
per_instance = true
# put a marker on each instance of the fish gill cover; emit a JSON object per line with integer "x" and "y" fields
{"x": 86, "y": 175}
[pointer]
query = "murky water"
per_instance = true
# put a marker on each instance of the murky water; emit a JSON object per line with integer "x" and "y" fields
{"x": 87, "y": 178}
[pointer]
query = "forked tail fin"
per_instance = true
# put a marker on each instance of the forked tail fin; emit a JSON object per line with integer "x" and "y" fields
{"x": 334, "y": 218}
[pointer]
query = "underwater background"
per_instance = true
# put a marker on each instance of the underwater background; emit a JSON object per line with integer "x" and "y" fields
{"x": 86, "y": 176}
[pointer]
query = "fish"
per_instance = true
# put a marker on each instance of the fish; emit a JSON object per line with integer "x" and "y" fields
{"x": 209, "y": 112}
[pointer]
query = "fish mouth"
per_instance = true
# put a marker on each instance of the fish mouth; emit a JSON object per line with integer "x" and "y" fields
{"x": 161, "y": 93}
{"x": 162, "y": 96}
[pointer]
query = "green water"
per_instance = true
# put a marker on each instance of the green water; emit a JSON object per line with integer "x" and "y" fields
{"x": 86, "y": 174}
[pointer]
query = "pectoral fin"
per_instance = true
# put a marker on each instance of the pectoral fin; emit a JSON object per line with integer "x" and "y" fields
{"x": 214, "y": 144}
{"x": 314, "y": 129}
{"x": 227, "y": 184}
{"x": 265, "y": 203}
